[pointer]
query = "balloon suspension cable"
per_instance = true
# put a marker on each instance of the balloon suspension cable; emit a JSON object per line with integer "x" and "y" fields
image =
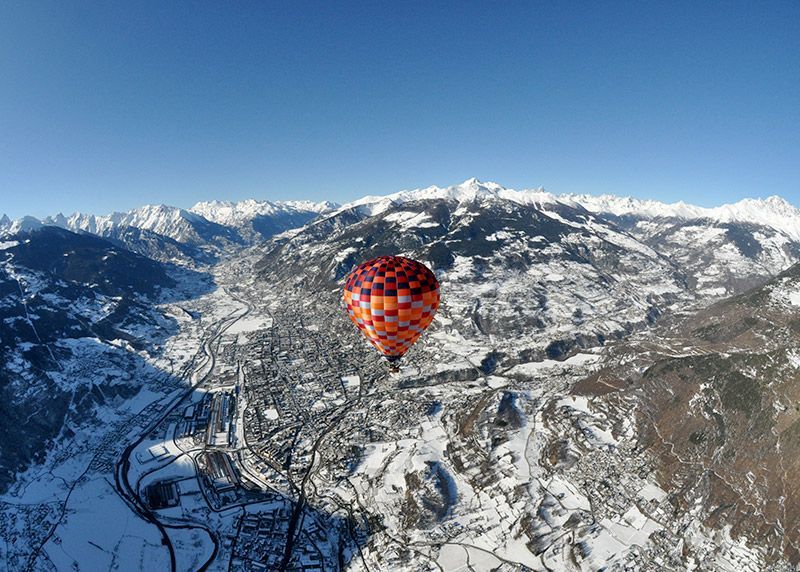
{"x": 394, "y": 367}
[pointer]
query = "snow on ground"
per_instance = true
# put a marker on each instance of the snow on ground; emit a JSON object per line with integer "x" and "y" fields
{"x": 154, "y": 453}
{"x": 511, "y": 455}
{"x": 49, "y": 481}
{"x": 479, "y": 523}
{"x": 794, "y": 359}
{"x": 218, "y": 305}
{"x": 342, "y": 254}
{"x": 726, "y": 553}
{"x": 496, "y": 382}
{"x": 651, "y": 492}
{"x": 411, "y": 219}
{"x": 454, "y": 558}
{"x": 250, "y": 324}
{"x": 115, "y": 540}
{"x": 193, "y": 547}
{"x": 787, "y": 291}
{"x": 178, "y": 468}
{"x": 593, "y": 424}
{"x": 535, "y": 368}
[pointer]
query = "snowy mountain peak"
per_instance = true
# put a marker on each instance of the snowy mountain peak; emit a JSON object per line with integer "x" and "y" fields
{"x": 778, "y": 202}
{"x": 774, "y": 212}
{"x": 153, "y": 215}
{"x": 468, "y": 191}
{"x": 157, "y": 218}
{"x": 753, "y": 207}
{"x": 57, "y": 220}
{"x": 310, "y": 206}
{"x": 24, "y": 224}
{"x": 237, "y": 213}
{"x": 249, "y": 220}
{"x": 620, "y": 206}
{"x": 472, "y": 188}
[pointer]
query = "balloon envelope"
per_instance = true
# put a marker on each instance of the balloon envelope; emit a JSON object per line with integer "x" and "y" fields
{"x": 392, "y": 300}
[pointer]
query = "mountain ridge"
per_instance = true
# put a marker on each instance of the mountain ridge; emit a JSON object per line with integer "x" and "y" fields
{"x": 774, "y": 211}
{"x": 744, "y": 210}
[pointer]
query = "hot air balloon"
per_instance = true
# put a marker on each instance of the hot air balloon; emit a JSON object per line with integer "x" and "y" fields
{"x": 392, "y": 300}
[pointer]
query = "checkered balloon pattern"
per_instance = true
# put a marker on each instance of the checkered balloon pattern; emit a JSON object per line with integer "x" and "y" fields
{"x": 392, "y": 300}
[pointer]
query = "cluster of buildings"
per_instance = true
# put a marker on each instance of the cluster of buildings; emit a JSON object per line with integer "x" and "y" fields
{"x": 300, "y": 382}
{"x": 262, "y": 539}
{"x": 221, "y": 408}
{"x": 163, "y": 494}
{"x": 218, "y": 471}
{"x": 626, "y": 505}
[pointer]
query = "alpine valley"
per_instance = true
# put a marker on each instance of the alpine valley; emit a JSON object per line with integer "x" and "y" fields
{"x": 609, "y": 384}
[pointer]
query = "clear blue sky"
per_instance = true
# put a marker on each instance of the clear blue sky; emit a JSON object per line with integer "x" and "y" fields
{"x": 109, "y": 105}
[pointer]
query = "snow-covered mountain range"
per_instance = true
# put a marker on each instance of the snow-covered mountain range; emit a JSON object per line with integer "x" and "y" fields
{"x": 773, "y": 212}
{"x": 716, "y": 250}
{"x": 238, "y": 213}
{"x": 261, "y": 219}
{"x": 206, "y": 226}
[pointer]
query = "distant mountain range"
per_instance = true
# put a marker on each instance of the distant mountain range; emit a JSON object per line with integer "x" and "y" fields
{"x": 262, "y": 219}
{"x": 705, "y": 251}
{"x": 199, "y": 232}
{"x": 763, "y": 233}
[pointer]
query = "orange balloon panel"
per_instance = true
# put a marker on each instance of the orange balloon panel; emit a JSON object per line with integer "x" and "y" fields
{"x": 392, "y": 300}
